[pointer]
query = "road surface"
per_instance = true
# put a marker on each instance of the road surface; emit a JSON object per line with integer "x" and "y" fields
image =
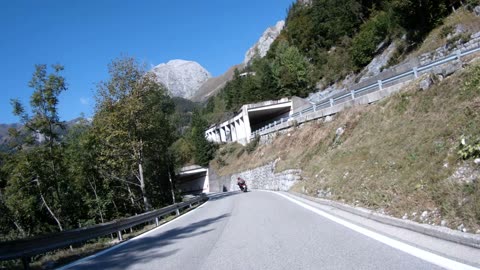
{"x": 256, "y": 230}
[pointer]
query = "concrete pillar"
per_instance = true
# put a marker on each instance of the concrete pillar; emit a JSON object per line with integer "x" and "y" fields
{"x": 241, "y": 128}
{"x": 233, "y": 129}
{"x": 228, "y": 133}
{"x": 223, "y": 135}
{"x": 246, "y": 120}
{"x": 206, "y": 183}
{"x": 238, "y": 129}
{"x": 219, "y": 135}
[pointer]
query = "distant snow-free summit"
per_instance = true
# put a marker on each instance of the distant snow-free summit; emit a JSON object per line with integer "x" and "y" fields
{"x": 182, "y": 78}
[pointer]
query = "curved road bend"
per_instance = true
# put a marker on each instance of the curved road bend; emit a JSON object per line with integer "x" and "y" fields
{"x": 254, "y": 230}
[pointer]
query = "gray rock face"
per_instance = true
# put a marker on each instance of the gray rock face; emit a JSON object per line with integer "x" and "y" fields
{"x": 261, "y": 48}
{"x": 476, "y": 10}
{"x": 379, "y": 62}
{"x": 182, "y": 78}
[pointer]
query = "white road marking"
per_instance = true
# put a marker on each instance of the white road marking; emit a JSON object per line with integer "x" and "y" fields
{"x": 126, "y": 242}
{"x": 414, "y": 251}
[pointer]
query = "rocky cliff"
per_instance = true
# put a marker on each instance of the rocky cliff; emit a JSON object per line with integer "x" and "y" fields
{"x": 182, "y": 78}
{"x": 260, "y": 48}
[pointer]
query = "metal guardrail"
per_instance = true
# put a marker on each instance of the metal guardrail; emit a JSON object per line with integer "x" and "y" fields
{"x": 351, "y": 95}
{"x": 27, "y": 248}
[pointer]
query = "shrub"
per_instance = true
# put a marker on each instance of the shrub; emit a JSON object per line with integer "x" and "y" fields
{"x": 446, "y": 30}
{"x": 469, "y": 149}
{"x": 372, "y": 33}
{"x": 471, "y": 4}
{"x": 252, "y": 145}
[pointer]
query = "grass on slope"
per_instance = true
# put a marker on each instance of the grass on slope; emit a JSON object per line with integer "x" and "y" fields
{"x": 439, "y": 36}
{"x": 397, "y": 156}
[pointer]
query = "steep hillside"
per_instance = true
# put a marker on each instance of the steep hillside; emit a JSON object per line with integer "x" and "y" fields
{"x": 213, "y": 85}
{"x": 411, "y": 156}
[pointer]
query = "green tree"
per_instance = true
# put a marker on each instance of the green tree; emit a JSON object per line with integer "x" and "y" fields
{"x": 132, "y": 119}
{"x": 376, "y": 30}
{"x": 204, "y": 150}
{"x": 81, "y": 157}
{"x": 38, "y": 171}
{"x": 291, "y": 71}
{"x": 418, "y": 17}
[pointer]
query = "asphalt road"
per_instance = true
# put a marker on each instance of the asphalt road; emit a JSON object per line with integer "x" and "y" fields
{"x": 254, "y": 230}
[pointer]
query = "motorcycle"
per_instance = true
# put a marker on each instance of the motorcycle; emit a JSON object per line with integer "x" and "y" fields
{"x": 243, "y": 187}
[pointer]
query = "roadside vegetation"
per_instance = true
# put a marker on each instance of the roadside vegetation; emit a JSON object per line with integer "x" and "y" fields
{"x": 411, "y": 153}
{"x": 327, "y": 40}
{"x": 61, "y": 257}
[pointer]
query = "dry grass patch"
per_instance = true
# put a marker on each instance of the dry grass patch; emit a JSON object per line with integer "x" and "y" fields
{"x": 397, "y": 154}
{"x": 438, "y": 37}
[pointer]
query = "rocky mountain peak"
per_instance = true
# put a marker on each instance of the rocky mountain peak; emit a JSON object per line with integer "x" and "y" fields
{"x": 260, "y": 48}
{"x": 182, "y": 78}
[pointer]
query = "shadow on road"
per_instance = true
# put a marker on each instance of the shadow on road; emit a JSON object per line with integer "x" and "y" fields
{"x": 218, "y": 196}
{"x": 148, "y": 248}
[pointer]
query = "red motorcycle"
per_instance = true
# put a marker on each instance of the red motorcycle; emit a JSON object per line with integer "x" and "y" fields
{"x": 243, "y": 187}
{"x": 242, "y": 184}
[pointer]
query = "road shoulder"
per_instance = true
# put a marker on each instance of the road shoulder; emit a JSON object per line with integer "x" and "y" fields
{"x": 448, "y": 249}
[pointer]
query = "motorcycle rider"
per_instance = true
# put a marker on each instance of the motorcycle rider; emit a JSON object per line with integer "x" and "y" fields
{"x": 241, "y": 184}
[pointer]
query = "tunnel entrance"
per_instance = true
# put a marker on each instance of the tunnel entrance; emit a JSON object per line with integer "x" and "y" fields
{"x": 263, "y": 116}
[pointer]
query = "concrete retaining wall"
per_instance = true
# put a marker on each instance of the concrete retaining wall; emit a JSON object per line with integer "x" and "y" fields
{"x": 263, "y": 177}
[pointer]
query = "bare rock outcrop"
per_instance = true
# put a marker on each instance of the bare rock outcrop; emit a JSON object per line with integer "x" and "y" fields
{"x": 182, "y": 78}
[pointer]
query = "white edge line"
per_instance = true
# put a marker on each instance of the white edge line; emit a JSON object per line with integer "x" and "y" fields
{"x": 414, "y": 251}
{"x": 136, "y": 238}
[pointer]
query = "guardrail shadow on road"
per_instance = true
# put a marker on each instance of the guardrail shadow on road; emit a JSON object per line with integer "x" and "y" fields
{"x": 149, "y": 248}
{"x": 218, "y": 196}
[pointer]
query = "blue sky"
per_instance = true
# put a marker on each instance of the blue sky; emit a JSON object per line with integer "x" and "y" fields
{"x": 85, "y": 36}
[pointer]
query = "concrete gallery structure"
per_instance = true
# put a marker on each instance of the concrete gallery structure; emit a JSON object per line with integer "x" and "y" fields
{"x": 193, "y": 180}
{"x": 252, "y": 117}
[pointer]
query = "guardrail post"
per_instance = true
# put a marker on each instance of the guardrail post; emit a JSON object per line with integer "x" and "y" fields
{"x": 275, "y": 123}
{"x": 415, "y": 72}
{"x": 26, "y": 263}
{"x": 458, "y": 53}
{"x": 314, "y": 107}
{"x": 300, "y": 113}
{"x": 156, "y": 221}
{"x": 331, "y": 102}
{"x": 177, "y": 212}
{"x": 119, "y": 234}
{"x": 190, "y": 206}
{"x": 380, "y": 85}
{"x": 352, "y": 93}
